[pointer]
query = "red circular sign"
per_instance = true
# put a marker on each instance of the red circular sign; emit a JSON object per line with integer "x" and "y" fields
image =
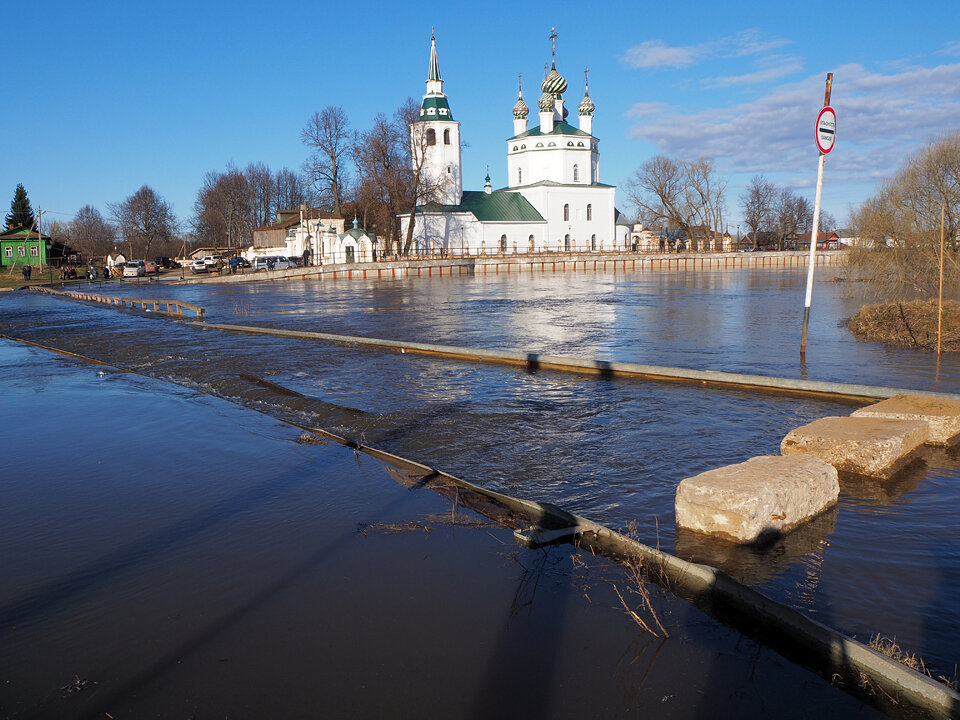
{"x": 826, "y": 129}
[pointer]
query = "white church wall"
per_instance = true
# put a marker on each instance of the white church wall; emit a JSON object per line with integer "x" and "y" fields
{"x": 550, "y": 202}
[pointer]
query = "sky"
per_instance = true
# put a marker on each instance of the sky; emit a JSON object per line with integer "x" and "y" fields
{"x": 112, "y": 96}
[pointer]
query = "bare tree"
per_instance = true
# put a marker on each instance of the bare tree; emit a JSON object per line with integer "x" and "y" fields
{"x": 88, "y": 232}
{"x": 260, "y": 179}
{"x": 900, "y": 225}
{"x": 789, "y": 214}
{"x": 328, "y": 134}
{"x": 382, "y": 157}
{"x": 757, "y": 202}
{"x": 688, "y": 196}
{"x": 143, "y": 219}
{"x": 289, "y": 190}
{"x": 224, "y": 209}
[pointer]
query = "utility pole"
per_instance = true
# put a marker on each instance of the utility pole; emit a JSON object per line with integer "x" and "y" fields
{"x": 826, "y": 129}
{"x": 40, "y": 247}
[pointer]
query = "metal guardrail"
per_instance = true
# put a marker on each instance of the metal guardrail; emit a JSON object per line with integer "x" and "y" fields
{"x": 163, "y": 307}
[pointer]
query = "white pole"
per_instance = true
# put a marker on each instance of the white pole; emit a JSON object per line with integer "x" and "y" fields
{"x": 813, "y": 234}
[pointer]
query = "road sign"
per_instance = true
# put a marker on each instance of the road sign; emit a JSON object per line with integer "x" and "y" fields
{"x": 826, "y": 129}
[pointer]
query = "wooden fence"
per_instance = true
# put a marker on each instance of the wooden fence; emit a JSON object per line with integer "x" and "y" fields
{"x": 177, "y": 308}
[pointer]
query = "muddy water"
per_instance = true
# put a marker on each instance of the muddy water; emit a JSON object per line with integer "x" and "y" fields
{"x": 887, "y": 560}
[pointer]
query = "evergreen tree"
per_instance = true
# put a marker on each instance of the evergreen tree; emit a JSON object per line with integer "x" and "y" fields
{"x": 20, "y": 211}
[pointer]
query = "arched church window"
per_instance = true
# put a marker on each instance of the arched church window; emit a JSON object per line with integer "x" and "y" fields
{"x": 519, "y": 176}
{"x": 570, "y": 143}
{"x": 532, "y": 244}
{"x": 503, "y": 243}
{"x": 431, "y": 136}
{"x": 589, "y": 211}
{"x": 566, "y": 212}
{"x": 446, "y": 136}
{"x": 593, "y": 242}
{"x": 566, "y": 243}
{"x": 576, "y": 174}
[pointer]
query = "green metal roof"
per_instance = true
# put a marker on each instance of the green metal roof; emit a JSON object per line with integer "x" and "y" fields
{"x": 356, "y": 233}
{"x": 437, "y": 102}
{"x": 559, "y": 128}
{"x": 498, "y": 206}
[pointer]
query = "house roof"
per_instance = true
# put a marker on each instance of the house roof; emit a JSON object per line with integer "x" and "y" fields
{"x": 559, "y": 128}
{"x": 498, "y": 206}
{"x": 290, "y": 218}
{"x": 21, "y": 233}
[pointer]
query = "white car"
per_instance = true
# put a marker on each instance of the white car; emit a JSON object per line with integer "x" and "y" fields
{"x": 134, "y": 268}
{"x": 208, "y": 263}
{"x": 272, "y": 262}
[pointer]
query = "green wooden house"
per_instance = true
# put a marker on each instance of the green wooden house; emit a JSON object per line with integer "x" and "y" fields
{"x": 23, "y": 246}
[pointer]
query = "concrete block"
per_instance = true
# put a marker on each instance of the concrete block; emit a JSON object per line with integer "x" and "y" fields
{"x": 757, "y": 499}
{"x": 941, "y": 414}
{"x": 873, "y": 446}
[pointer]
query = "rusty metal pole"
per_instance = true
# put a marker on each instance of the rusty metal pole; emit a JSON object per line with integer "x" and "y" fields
{"x": 813, "y": 235}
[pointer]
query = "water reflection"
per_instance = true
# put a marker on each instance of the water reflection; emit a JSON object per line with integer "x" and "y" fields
{"x": 755, "y": 565}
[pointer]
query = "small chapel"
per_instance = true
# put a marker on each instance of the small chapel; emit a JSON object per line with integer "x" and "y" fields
{"x": 554, "y": 200}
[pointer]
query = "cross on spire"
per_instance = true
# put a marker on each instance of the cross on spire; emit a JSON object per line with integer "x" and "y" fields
{"x": 586, "y": 78}
{"x": 553, "y": 44}
{"x": 520, "y": 84}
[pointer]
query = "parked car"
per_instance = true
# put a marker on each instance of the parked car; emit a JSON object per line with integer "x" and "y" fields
{"x": 164, "y": 263}
{"x": 242, "y": 262}
{"x": 208, "y": 263}
{"x": 149, "y": 266}
{"x": 213, "y": 262}
{"x": 134, "y": 268}
{"x": 272, "y": 262}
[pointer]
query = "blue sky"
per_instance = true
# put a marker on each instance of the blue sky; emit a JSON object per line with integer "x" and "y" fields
{"x": 118, "y": 95}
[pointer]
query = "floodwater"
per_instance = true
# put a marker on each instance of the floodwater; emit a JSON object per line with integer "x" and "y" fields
{"x": 886, "y": 560}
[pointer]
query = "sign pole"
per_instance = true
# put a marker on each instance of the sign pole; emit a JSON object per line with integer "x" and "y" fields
{"x": 824, "y": 149}
{"x": 940, "y": 299}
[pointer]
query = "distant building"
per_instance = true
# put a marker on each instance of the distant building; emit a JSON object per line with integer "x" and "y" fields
{"x": 24, "y": 246}
{"x": 554, "y": 200}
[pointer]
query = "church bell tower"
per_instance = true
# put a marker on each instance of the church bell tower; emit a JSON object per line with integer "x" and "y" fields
{"x": 436, "y": 135}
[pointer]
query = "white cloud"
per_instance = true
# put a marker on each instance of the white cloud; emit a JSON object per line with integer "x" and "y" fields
{"x": 882, "y": 119}
{"x": 790, "y": 67}
{"x": 657, "y": 54}
{"x": 654, "y": 54}
{"x": 950, "y": 48}
{"x": 643, "y": 109}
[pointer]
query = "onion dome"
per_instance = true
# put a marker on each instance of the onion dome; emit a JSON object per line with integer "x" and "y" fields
{"x": 554, "y": 83}
{"x": 546, "y": 102}
{"x": 520, "y": 110}
{"x": 586, "y": 106}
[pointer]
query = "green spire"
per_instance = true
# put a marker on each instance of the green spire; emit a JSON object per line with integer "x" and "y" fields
{"x": 434, "y": 73}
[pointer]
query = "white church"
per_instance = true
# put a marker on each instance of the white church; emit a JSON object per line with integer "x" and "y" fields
{"x": 554, "y": 200}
